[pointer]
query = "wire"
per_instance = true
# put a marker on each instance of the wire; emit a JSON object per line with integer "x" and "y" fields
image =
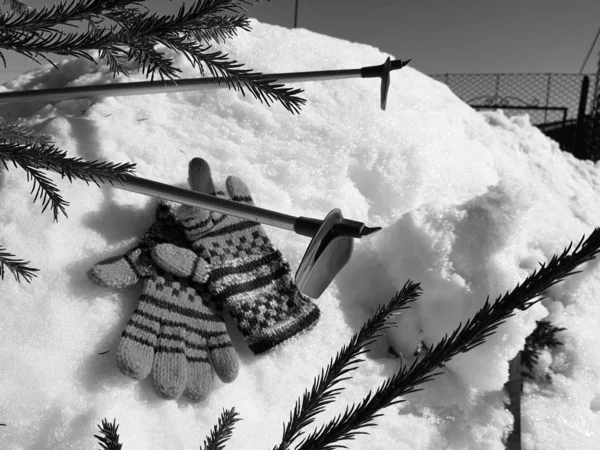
{"x": 590, "y": 51}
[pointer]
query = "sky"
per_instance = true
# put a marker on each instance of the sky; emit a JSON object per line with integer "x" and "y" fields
{"x": 459, "y": 36}
{"x": 469, "y": 204}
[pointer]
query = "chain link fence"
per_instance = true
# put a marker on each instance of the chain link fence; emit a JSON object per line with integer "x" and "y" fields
{"x": 554, "y": 101}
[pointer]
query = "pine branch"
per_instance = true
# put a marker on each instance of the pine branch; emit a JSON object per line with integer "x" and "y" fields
{"x": 222, "y": 431}
{"x": 47, "y": 18}
{"x": 17, "y": 267}
{"x": 323, "y": 392}
{"x": 34, "y": 44}
{"x": 36, "y": 156}
{"x": 473, "y": 333}
{"x": 44, "y": 187}
{"x": 47, "y": 191}
{"x": 150, "y": 61}
{"x": 109, "y": 439}
{"x": 49, "y": 157}
{"x": 116, "y": 59}
{"x": 544, "y": 336}
{"x": 219, "y": 28}
{"x": 135, "y": 34}
{"x": 13, "y": 133}
{"x": 194, "y": 21}
{"x": 262, "y": 87}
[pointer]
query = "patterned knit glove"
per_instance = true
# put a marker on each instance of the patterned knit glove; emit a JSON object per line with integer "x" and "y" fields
{"x": 171, "y": 333}
{"x": 247, "y": 275}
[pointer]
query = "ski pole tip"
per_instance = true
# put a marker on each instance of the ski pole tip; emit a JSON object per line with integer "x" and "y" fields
{"x": 369, "y": 230}
{"x": 399, "y": 64}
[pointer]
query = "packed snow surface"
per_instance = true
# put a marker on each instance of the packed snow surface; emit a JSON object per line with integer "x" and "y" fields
{"x": 469, "y": 204}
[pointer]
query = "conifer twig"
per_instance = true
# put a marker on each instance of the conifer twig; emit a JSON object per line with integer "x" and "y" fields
{"x": 11, "y": 132}
{"x": 472, "y": 334}
{"x": 17, "y": 267}
{"x": 543, "y": 336}
{"x": 219, "y": 28}
{"x": 260, "y": 85}
{"x": 109, "y": 439}
{"x": 323, "y": 393}
{"x": 47, "y": 18}
{"x": 32, "y": 157}
{"x": 133, "y": 36}
{"x": 47, "y": 191}
{"x": 49, "y": 157}
{"x": 222, "y": 431}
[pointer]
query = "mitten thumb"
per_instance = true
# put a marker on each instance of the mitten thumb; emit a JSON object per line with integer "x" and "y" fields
{"x": 115, "y": 273}
{"x": 181, "y": 262}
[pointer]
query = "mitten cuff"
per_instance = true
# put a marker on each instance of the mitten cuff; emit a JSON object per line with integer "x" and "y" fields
{"x": 267, "y": 338}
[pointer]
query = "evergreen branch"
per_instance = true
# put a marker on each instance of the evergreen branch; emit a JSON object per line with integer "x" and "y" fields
{"x": 46, "y": 18}
{"x": 43, "y": 186}
{"x": 542, "y": 337}
{"x": 323, "y": 392}
{"x": 12, "y": 133}
{"x": 150, "y": 60}
{"x": 116, "y": 60}
{"x": 32, "y": 34}
{"x": 109, "y": 439}
{"x": 228, "y": 6}
{"x": 47, "y": 191}
{"x": 222, "y": 431}
{"x": 36, "y": 156}
{"x": 186, "y": 20}
{"x": 48, "y": 157}
{"x": 484, "y": 323}
{"x": 195, "y": 17}
{"x": 219, "y": 28}
{"x": 261, "y": 86}
{"x": 17, "y": 267}
{"x": 32, "y": 45}
{"x": 174, "y": 32}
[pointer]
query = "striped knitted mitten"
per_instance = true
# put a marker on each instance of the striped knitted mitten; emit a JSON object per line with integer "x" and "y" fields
{"x": 171, "y": 333}
{"x": 247, "y": 274}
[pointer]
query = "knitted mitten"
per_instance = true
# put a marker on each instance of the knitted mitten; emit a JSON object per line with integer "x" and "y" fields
{"x": 171, "y": 333}
{"x": 247, "y": 274}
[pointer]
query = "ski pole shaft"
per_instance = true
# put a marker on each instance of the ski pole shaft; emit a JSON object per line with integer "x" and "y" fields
{"x": 198, "y": 199}
{"x": 304, "y": 226}
{"x": 150, "y": 87}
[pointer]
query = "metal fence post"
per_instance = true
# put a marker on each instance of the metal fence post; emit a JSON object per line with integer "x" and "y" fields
{"x": 593, "y": 135}
{"x": 547, "y": 96}
{"x": 296, "y": 14}
{"x": 580, "y": 128}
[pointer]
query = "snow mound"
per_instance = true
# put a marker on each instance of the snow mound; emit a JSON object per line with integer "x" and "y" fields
{"x": 469, "y": 202}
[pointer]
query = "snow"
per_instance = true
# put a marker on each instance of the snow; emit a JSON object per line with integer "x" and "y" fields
{"x": 469, "y": 202}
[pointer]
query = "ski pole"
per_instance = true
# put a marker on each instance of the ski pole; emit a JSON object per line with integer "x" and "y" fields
{"x": 193, "y": 84}
{"x": 305, "y": 226}
{"x": 332, "y": 239}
